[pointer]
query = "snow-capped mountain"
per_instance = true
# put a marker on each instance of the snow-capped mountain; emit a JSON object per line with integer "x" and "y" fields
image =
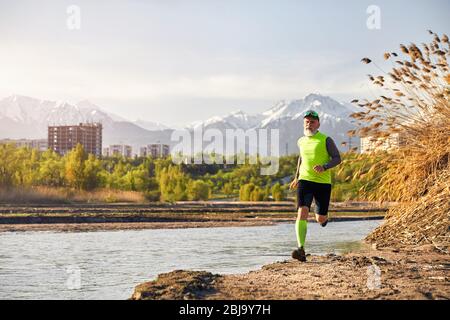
{"x": 36, "y": 114}
{"x": 150, "y": 125}
{"x": 25, "y": 117}
{"x": 235, "y": 120}
{"x": 95, "y": 112}
{"x": 287, "y": 117}
{"x": 294, "y": 109}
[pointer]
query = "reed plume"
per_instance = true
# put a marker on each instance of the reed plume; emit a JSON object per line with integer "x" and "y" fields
{"x": 415, "y": 111}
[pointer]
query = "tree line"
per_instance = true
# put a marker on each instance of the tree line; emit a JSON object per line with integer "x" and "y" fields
{"x": 161, "y": 180}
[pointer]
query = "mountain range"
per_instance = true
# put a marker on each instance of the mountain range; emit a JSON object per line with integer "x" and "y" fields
{"x": 26, "y": 117}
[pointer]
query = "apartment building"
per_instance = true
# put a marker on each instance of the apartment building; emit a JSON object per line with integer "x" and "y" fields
{"x": 62, "y": 139}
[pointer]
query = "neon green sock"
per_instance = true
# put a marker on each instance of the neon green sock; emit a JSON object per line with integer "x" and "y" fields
{"x": 301, "y": 228}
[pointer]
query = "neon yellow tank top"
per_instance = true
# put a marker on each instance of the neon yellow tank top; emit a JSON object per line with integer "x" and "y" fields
{"x": 313, "y": 151}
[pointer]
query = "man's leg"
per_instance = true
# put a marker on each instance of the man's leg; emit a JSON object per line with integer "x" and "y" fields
{"x": 321, "y": 219}
{"x": 304, "y": 199}
{"x": 301, "y": 226}
{"x": 300, "y": 230}
{"x": 322, "y": 197}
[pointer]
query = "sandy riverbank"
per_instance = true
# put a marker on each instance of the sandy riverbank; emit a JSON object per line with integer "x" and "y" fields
{"x": 409, "y": 273}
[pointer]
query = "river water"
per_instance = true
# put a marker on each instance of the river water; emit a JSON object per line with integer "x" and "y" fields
{"x": 109, "y": 264}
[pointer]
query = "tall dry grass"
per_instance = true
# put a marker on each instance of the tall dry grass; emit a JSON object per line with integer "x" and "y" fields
{"x": 414, "y": 106}
{"x": 32, "y": 195}
{"x": 48, "y": 195}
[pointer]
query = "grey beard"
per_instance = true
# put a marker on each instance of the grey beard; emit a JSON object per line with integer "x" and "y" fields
{"x": 309, "y": 133}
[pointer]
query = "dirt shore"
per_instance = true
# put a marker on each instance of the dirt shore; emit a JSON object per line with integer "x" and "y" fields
{"x": 111, "y": 226}
{"x": 88, "y": 226}
{"x": 183, "y": 207}
{"x": 409, "y": 273}
{"x": 95, "y": 217}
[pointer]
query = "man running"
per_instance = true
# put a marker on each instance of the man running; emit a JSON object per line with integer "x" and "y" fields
{"x": 318, "y": 154}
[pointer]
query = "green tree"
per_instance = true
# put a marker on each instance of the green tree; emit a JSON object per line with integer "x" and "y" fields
{"x": 119, "y": 171}
{"x": 20, "y": 157}
{"x": 173, "y": 183}
{"x": 257, "y": 194}
{"x": 198, "y": 190}
{"x": 92, "y": 168}
{"x": 245, "y": 192}
{"x": 75, "y": 167}
{"x": 8, "y": 164}
{"x": 29, "y": 166}
{"x": 180, "y": 191}
{"x": 266, "y": 194}
{"x": 153, "y": 192}
{"x": 277, "y": 192}
{"x": 228, "y": 189}
{"x": 51, "y": 169}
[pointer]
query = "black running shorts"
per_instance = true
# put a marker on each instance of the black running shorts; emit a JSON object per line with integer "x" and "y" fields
{"x": 321, "y": 192}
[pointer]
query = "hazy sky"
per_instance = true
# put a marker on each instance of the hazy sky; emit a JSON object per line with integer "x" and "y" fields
{"x": 175, "y": 61}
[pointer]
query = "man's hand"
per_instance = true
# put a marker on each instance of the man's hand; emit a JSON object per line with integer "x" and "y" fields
{"x": 293, "y": 184}
{"x": 318, "y": 169}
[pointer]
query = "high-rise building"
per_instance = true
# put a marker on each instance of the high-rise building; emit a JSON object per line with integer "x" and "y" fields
{"x": 118, "y": 149}
{"x": 155, "y": 150}
{"x": 143, "y": 151}
{"x": 62, "y": 139}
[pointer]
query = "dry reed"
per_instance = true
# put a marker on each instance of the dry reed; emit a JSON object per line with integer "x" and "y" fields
{"x": 415, "y": 110}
